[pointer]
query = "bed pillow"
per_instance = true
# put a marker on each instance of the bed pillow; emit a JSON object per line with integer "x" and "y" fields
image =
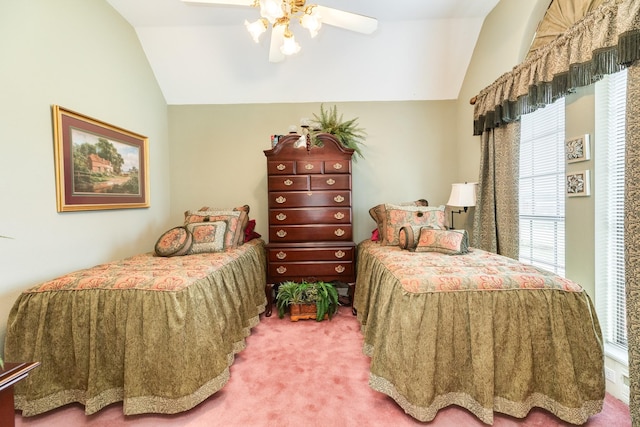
{"x": 244, "y": 208}
{"x": 398, "y": 216}
{"x": 407, "y": 237}
{"x": 378, "y": 213}
{"x": 249, "y": 231}
{"x": 452, "y": 242}
{"x": 236, "y": 223}
{"x": 174, "y": 242}
{"x": 207, "y": 236}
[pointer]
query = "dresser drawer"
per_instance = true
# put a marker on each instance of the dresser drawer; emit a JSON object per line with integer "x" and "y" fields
{"x": 342, "y": 254}
{"x": 330, "y": 182}
{"x": 283, "y": 167}
{"x": 337, "y": 166}
{"x": 309, "y": 233}
{"x": 310, "y": 216}
{"x": 308, "y": 198}
{"x": 317, "y": 270}
{"x": 309, "y": 166}
{"x": 289, "y": 183}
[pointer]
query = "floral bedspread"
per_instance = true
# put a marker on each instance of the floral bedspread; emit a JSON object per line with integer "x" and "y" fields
{"x": 146, "y": 271}
{"x": 477, "y": 270}
{"x": 158, "y": 334}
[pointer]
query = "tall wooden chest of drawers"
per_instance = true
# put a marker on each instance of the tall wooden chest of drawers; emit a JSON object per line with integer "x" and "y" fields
{"x": 310, "y": 215}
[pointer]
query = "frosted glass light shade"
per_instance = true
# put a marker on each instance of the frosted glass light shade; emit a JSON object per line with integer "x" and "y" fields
{"x": 290, "y": 46}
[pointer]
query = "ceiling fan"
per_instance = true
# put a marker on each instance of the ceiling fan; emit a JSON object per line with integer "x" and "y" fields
{"x": 280, "y": 13}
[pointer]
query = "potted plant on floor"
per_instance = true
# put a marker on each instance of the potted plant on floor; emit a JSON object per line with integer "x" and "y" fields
{"x": 307, "y": 300}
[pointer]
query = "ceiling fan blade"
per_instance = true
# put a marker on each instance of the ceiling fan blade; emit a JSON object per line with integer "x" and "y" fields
{"x": 347, "y": 20}
{"x": 230, "y": 2}
{"x": 277, "y": 38}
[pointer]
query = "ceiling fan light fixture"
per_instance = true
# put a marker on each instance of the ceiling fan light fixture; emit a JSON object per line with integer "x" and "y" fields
{"x": 256, "y": 28}
{"x": 289, "y": 46}
{"x": 272, "y": 10}
{"x": 311, "y": 20}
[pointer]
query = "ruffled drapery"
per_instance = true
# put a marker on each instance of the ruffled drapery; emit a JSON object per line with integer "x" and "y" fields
{"x": 603, "y": 42}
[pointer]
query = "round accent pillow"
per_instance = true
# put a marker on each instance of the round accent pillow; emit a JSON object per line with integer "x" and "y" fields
{"x": 406, "y": 238}
{"x": 174, "y": 242}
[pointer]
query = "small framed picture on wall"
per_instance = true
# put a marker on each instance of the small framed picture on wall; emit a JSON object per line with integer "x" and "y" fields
{"x": 578, "y": 184}
{"x": 577, "y": 149}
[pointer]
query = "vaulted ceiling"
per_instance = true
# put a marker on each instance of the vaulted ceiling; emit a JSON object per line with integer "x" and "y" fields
{"x": 202, "y": 54}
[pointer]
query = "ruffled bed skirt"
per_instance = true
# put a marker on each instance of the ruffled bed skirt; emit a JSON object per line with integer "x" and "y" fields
{"x": 506, "y": 351}
{"x": 156, "y": 351}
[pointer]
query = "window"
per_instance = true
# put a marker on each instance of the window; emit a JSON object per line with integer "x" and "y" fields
{"x": 542, "y": 188}
{"x": 610, "y": 101}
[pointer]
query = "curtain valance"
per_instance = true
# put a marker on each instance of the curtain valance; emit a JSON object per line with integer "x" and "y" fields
{"x": 603, "y": 42}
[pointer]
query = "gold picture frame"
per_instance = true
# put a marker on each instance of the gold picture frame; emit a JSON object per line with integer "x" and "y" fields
{"x": 98, "y": 165}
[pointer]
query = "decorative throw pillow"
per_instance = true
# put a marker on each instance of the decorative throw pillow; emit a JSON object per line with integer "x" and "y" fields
{"x": 452, "y": 242}
{"x": 174, "y": 242}
{"x": 248, "y": 231}
{"x": 236, "y": 223}
{"x": 407, "y": 236}
{"x": 398, "y": 216}
{"x": 207, "y": 236}
{"x": 378, "y": 213}
{"x": 244, "y": 208}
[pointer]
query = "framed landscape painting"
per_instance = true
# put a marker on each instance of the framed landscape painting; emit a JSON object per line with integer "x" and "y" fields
{"x": 98, "y": 165}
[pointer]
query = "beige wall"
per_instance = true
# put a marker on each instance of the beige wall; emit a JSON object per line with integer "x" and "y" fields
{"x": 580, "y": 211}
{"x": 503, "y": 43}
{"x": 217, "y": 154}
{"x": 83, "y": 56}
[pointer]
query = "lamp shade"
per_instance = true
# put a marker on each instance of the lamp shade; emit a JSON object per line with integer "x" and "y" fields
{"x": 463, "y": 194}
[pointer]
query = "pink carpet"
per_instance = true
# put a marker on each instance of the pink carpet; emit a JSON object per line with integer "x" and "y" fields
{"x": 304, "y": 373}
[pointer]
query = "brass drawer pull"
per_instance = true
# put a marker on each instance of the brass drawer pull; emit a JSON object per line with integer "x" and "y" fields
{"x": 288, "y": 182}
{"x": 340, "y": 269}
{"x": 281, "y": 167}
{"x": 281, "y": 199}
{"x": 281, "y": 217}
{"x": 281, "y": 233}
{"x": 281, "y": 269}
{"x": 340, "y": 254}
{"x": 281, "y": 255}
{"x": 331, "y": 181}
{"x": 337, "y": 166}
{"x": 338, "y": 215}
{"x": 338, "y": 199}
{"x": 339, "y": 232}
{"x": 308, "y": 166}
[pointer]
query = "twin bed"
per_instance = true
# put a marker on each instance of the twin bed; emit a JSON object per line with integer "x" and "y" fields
{"x": 473, "y": 329}
{"x": 448, "y": 325}
{"x": 157, "y": 333}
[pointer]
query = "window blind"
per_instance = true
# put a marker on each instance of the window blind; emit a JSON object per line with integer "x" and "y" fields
{"x": 541, "y": 191}
{"x": 610, "y": 95}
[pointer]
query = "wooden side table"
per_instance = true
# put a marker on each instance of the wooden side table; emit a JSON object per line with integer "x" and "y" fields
{"x": 11, "y": 374}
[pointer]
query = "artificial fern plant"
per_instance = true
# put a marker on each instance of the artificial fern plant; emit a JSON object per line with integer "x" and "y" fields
{"x": 324, "y": 295}
{"x": 347, "y": 132}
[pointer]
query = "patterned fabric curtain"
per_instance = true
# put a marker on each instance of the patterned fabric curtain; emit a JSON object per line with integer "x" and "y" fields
{"x": 632, "y": 236}
{"x": 495, "y": 223}
{"x": 603, "y": 42}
